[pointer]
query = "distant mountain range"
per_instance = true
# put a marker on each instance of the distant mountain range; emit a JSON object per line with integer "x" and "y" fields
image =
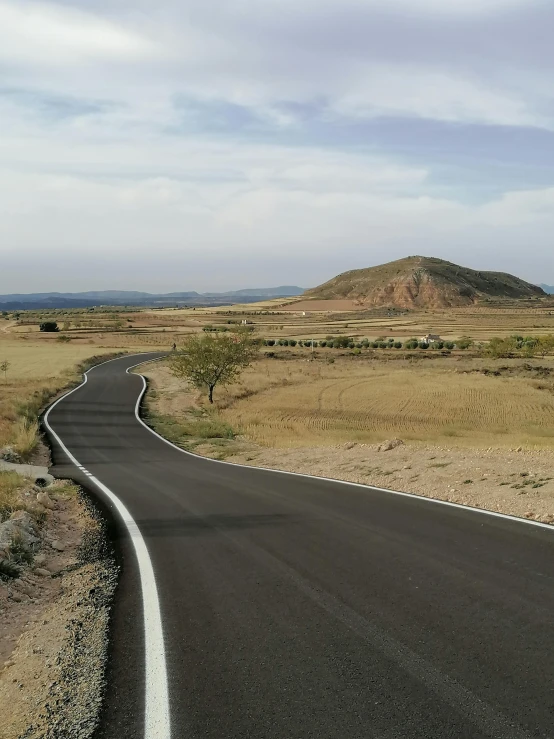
{"x": 548, "y": 289}
{"x": 92, "y": 298}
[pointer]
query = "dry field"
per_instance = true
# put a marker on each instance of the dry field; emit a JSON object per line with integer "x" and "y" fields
{"x": 299, "y": 402}
{"x": 317, "y": 319}
{"x": 37, "y": 370}
{"x": 295, "y": 402}
{"x": 327, "y": 421}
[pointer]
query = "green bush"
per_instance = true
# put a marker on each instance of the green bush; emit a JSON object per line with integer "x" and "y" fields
{"x": 323, "y": 342}
{"x": 464, "y": 343}
{"x": 49, "y": 327}
{"x": 270, "y": 342}
{"x": 382, "y": 345}
{"x": 398, "y": 345}
{"x": 292, "y": 342}
{"x": 423, "y": 345}
{"x": 449, "y": 345}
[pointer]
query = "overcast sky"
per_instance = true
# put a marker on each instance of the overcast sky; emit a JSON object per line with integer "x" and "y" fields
{"x": 191, "y": 144}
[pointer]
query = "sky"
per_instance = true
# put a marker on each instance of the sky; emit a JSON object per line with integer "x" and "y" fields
{"x": 185, "y": 144}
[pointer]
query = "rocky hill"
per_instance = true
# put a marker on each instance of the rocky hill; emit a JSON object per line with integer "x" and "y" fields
{"x": 423, "y": 282}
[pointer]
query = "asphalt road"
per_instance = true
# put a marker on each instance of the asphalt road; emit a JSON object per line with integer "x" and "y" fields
{"x": 294, "y": 607}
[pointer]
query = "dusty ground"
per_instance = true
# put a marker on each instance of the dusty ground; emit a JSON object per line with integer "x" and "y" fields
{"x": 53, "y": 627}
{"x": 517, "y": 481}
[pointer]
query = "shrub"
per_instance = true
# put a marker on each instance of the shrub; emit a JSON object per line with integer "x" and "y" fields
{"x": 382, "y": 345}
{"x": 351, "y": 345}
{"x": 321, "y": 343}
{"x": 374, "y": 344}
{"x": 49, "y": 327}
{"x": 365, "y": 344}
{"x": 292, "y": 342}
{"x": 359, "y": 345}
{"x": 437, "y": 345}
{"x": 423, "y": 345}
{"x": 285, "y": 342}
{"x": 398, "y": 345}
{"x": 449, "y": 345}
{"x": 464, "y": 343}
{"x": 270, "y": 342}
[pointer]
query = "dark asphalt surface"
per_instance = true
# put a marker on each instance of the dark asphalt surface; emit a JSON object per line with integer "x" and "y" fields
{"x": 297, "y": 608}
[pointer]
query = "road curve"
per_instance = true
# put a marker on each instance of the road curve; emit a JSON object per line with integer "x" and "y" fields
{"x": 294, "y": 607}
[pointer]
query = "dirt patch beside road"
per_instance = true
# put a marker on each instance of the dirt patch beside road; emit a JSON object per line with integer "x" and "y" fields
{"x": 54, "y": 615}
{"x": 516, "y": 483}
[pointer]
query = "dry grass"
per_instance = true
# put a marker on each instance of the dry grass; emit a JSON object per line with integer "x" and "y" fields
{"x": 298, "y": 403}
{"x": 25, "y": 436}
{"x": 37, "y": 371}
{"x": 10, "y": 485}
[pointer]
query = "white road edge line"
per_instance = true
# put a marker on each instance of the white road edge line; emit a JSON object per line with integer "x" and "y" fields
{"x": 422, "y": 498}
{"x": 157, "y": 723}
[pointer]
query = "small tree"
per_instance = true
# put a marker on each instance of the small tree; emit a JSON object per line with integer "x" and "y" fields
{"x": 49, "y": 327}
{"x": 4, "y": 367}
{"x": 464, "y": 343}
{"x": 211, "y": 359}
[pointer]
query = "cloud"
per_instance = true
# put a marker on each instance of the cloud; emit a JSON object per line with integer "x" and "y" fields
{"x": 51, "y": 34}
{"x": 327, "y": 134}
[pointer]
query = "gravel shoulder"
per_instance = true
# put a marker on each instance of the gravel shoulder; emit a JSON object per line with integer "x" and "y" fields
{"x": 54, "y": 617}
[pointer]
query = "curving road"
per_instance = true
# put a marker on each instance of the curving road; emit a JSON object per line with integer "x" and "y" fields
{"x": 293, "y": 607}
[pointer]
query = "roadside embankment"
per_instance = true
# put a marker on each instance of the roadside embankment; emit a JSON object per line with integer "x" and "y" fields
{"x": 57, "y": 580}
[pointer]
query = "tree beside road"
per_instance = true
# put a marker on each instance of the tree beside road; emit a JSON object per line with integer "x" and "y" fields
{"x": 208, "y": 360}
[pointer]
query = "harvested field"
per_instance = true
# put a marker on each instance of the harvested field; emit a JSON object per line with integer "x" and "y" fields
{"x": 299, "y": 403}
{"x": 518, "y": 480}
{"x": 325, "y": 306}
{"x": 36, "y": 371}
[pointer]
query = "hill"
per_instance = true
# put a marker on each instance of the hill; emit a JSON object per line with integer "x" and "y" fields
{"x": 423, "y": 282}
{"x": 548, "y": 289}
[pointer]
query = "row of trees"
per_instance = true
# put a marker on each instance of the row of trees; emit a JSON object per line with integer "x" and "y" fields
{"x": 347, "y": 342}
{"x": 523, "y": 346}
